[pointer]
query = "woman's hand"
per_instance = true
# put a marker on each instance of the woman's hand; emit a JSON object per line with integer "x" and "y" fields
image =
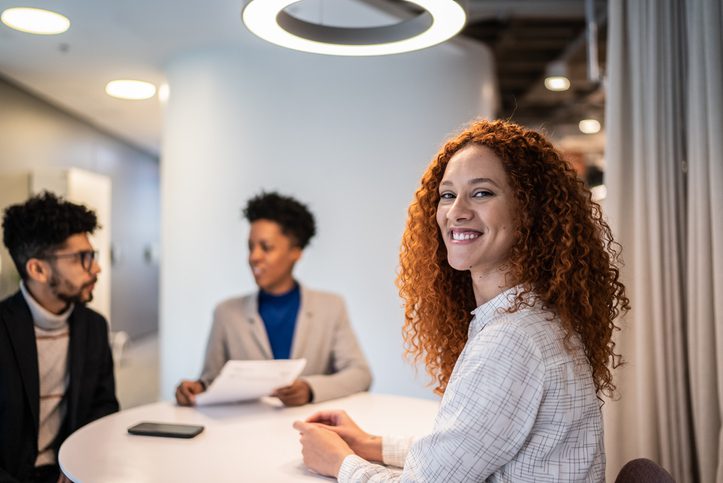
{"x": 297, "y": 394}
{"x": 323, "y": 450}
{"x": 186, "y": 392}
{"x": 362, "y": 443}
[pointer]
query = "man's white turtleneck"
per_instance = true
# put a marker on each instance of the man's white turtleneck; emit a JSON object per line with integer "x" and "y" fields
{"x": 52, "y": 336}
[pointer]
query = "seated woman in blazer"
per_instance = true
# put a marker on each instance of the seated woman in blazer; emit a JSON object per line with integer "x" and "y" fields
{"x": 284, "y": 320}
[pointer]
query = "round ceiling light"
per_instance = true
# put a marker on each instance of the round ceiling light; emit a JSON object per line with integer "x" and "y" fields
{"x": 130, "y": 89}
{"x": 557, "y": 83}
{"x": 589, "y": 126}
{"x": 556, "y": 76}
{"x": 440, "y": 21}
{"x": 35, "y": 21}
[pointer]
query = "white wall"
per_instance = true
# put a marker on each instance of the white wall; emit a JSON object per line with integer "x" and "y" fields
{"x": 349, "y": 136}
{"x": 36, "y": 136}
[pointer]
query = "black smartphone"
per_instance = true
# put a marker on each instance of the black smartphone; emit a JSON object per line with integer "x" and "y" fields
{"x": 167, "y": 430}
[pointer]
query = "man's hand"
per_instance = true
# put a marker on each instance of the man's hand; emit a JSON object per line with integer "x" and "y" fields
{"x": 323, "y": 450}
{"x": 297, "y": 394}
{"x": 362, "y": 443}
{"x": 186, "y": 392}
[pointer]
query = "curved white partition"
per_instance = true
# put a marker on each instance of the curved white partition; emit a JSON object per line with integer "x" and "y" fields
{"x": 349, "y": 136}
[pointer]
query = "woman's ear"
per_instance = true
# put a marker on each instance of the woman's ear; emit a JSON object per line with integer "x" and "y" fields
{"x": 37, "y": 270}
{"x": 297, "y": 252}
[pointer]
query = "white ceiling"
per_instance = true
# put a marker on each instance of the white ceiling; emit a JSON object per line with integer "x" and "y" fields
{"x": 113, "y": 39}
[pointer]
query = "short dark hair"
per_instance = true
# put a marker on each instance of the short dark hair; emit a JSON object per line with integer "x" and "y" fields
{"x": 41, "y": 225}
{"x": 294, "y": 217}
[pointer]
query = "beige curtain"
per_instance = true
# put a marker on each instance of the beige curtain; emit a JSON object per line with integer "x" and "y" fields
{"x": 705, "y": 231}
{"x": 664, "y": 183}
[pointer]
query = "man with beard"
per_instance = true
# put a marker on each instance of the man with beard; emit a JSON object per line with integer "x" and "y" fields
{"x": 56, "y": 368}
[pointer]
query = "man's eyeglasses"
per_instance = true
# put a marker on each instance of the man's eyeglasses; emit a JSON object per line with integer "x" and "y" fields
{"x": 86, "y": 257}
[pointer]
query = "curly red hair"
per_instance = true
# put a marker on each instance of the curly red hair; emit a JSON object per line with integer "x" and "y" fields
{"x": 564, "y": 254}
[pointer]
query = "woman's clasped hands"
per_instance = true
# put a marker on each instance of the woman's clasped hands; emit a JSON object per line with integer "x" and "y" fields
{"x": 327, "y": 437}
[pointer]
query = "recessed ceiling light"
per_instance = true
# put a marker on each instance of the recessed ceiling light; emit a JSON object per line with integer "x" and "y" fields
{"x": 130, "y": 89}
{"x": 35, "y": 21}
{"x": 441, "y": 20}
{"x": 589, "y": 126}
{"x": 557, "y": 83}
{"x": 599, "y": 192}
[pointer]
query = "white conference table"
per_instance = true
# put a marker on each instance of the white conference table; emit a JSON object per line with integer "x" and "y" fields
{"x": 242, "y": 442}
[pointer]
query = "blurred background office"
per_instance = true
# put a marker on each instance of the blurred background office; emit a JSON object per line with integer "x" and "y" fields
{"x": 629, "y": 90}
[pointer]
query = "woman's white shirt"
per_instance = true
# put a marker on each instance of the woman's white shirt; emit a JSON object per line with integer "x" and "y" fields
{"x": 519, "y": 406}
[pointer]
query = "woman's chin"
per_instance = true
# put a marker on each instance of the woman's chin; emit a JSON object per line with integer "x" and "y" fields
{"x": 459, "y": 265}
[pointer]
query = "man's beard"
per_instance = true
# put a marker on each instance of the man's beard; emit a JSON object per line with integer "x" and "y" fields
{"x": 70, "y": 298}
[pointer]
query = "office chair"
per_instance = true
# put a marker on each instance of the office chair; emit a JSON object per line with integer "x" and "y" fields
{"x": 643, "y": 470}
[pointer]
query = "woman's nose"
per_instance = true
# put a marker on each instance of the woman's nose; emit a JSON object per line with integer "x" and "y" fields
{"x": 459, "y": 211}
{"x": 255, "y": 254}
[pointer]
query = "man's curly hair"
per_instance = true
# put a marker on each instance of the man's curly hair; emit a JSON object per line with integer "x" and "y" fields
{"x": 294, "y": 218}
{"x": 41, "y": 225}
{"x": 564, "y": 254}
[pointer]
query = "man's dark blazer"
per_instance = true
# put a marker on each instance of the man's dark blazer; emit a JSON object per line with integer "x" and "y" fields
{"x": 90, "y": 394}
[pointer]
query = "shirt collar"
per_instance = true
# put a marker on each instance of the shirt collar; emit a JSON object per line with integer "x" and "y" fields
{"x": 489, "y": 310}
{"x": 42, "y": 317}
{"x": 281, "y": 298}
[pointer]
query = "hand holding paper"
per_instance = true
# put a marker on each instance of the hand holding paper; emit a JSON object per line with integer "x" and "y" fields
{"x": 246, "y": 380}
{"x": 297, "y": 393}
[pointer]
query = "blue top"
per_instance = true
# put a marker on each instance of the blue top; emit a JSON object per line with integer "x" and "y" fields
{"x": 279, "y": 314}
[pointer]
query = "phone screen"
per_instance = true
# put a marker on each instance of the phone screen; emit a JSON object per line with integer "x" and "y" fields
{"x": 166, "y": 430}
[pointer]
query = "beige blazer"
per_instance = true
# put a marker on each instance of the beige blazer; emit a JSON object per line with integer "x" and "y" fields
{"x": 335, "y": 364}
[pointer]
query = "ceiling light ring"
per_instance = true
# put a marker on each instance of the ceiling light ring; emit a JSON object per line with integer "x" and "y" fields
{"x": 439, "y": 21}
{"x": 355, "y": 35}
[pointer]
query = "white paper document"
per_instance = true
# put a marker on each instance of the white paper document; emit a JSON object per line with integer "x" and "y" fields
{"x": 246, "y": 380}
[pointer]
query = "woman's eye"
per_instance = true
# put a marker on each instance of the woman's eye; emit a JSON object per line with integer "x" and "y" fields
{"x": 482, "y": 194}
{"x": 446, "y": 196}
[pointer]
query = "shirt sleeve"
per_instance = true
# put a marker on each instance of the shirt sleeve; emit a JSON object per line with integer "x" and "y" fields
{"x": 355, "y": 469}
{"x": 351, "y": 370}
{"x": 395, "y": 450}
{"x": 216, "y": 351}
{"x": 487, "y": 413}
{"x": 104, "y": 399}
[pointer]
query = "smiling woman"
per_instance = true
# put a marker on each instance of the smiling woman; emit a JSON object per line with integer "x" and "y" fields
{"x": 563, "y": 250}
{"x": 500, "y": 228}
{"x": 476, "y": 215}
